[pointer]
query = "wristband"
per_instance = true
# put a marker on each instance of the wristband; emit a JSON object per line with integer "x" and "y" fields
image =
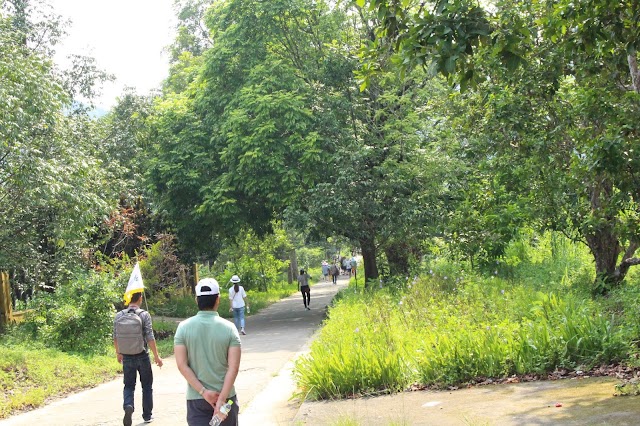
{"x": 202, "y": 390}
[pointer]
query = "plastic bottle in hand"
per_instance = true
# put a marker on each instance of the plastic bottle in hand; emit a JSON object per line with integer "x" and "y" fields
{"x": 215, "y": 420}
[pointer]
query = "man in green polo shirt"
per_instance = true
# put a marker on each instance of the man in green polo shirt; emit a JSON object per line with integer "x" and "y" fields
{"x": 207, "y": 351}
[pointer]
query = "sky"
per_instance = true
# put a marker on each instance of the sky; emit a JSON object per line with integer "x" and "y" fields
{"x": 126, "y": 37}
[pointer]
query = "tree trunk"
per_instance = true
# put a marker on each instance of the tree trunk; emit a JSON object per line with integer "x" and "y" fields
{"x": 603, "y": 240}
{"x": 293, "y": 267}
{"x": 368, "y": 248}
{"x": 398, "y": 258}
{"x": 605, "y": 248}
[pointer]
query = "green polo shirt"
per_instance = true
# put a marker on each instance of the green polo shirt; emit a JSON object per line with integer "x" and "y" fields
{"x": 207, "y": 338}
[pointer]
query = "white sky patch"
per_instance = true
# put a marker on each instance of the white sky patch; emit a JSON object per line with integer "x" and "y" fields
{"x": 126, "y": 37}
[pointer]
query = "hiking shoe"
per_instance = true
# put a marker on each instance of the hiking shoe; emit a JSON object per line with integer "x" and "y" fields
{"x": 149, "y": 420}
{"x": 128, "y": 411}
{"x": 242, "y": 331}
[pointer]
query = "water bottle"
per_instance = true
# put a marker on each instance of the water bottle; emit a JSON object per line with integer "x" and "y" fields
{"x": 215, "y": 420}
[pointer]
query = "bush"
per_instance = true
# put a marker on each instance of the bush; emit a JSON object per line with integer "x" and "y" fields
{"x": 78, "y": 317}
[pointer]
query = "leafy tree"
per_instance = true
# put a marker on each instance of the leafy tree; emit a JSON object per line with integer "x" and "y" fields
{"x": 51, "y": 184}
{"x": 192, "y": 33}
{"x": 239, "y": 143}
{"x": 258, "y": 261}
{"x": 560, "y": 118}
{"x": 274, "y": 120}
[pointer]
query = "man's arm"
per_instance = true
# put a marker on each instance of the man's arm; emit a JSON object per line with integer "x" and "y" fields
{"x": 182, "y": 361}
{"x": 233, "y": 360}
{"x": 154, "y": 348}
{"x": 118, "y": 354}
{"x": 149, "y": 337}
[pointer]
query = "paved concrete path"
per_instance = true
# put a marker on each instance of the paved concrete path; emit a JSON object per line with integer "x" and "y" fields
{"x": 568, "y": 402}
{"x": 275, "y": 336}
{"x": 283, "y": 331}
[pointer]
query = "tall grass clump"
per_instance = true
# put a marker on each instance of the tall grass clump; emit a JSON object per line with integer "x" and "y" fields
{"x": 449, "y": 327}
{"x": 358, "y": 355}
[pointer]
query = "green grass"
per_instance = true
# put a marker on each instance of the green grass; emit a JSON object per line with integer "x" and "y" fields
{"x": 30, "y": 375}
{"x": 449, "y": 327}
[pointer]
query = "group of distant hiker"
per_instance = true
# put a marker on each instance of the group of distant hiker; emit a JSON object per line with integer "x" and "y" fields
{"x": 340, "y": 266}
{"x": 206, "y": 348}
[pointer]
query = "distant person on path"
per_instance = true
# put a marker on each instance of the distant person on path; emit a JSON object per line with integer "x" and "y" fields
{"x": 348, "y": 266}
{"x": 325, "y": 270}
{"x": 237, "y": 298}
{"x": 354, "y": 265}
{"x": 132, "y": 338}
{"x": 207, "y": 351}
{"x": 334, "y": 271}
{"x": 303, "y": 286}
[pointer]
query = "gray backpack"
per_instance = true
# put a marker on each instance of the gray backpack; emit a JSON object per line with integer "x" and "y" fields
{"x": 129, "y": 332}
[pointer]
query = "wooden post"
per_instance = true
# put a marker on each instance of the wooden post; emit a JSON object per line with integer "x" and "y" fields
{"x": 182, "y": 274}
{"x": 5, "y": 299}
{"x": 196, "y": 275}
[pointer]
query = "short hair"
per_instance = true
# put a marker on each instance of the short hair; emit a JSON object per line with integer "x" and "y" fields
{"x": 135, "y": 297}
{"x": 301, "y": 271}
{"x": 207, "y": 302}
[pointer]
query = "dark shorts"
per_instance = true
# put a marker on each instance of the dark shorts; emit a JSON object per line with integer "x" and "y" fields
{"x": 200, "y": 412}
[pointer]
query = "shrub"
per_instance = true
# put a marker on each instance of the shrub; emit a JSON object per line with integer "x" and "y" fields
{"x": 78, "y": 317}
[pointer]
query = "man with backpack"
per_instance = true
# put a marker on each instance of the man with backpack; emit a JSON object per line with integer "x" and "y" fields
{"x": 132, "y": 338}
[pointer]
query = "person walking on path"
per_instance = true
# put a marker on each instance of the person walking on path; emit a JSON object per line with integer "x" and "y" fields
{"x": 237, "y": 303}
{"x": 207, "y": 350}
{"x": 354, "y": 265}
{"x": 303, "y": 286}
{"x": 334, "y": 271}
{"x": 325, "y": 270}
{"x": 132, "y": 338}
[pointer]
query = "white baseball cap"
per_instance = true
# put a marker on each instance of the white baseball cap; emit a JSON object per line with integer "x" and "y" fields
{"x": 235, "y": 279}
{"x": 207, "y": 287}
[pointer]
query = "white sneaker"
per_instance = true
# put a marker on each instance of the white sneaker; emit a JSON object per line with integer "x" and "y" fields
{"x": 242, "y": 331}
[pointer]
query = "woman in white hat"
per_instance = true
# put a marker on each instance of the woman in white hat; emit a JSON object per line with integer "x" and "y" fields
{"x": 237, "y": 297}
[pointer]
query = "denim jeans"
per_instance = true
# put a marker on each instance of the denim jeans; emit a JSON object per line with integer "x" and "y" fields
{"x": 131, "y": 366}
{"x": 238, "y": 317}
